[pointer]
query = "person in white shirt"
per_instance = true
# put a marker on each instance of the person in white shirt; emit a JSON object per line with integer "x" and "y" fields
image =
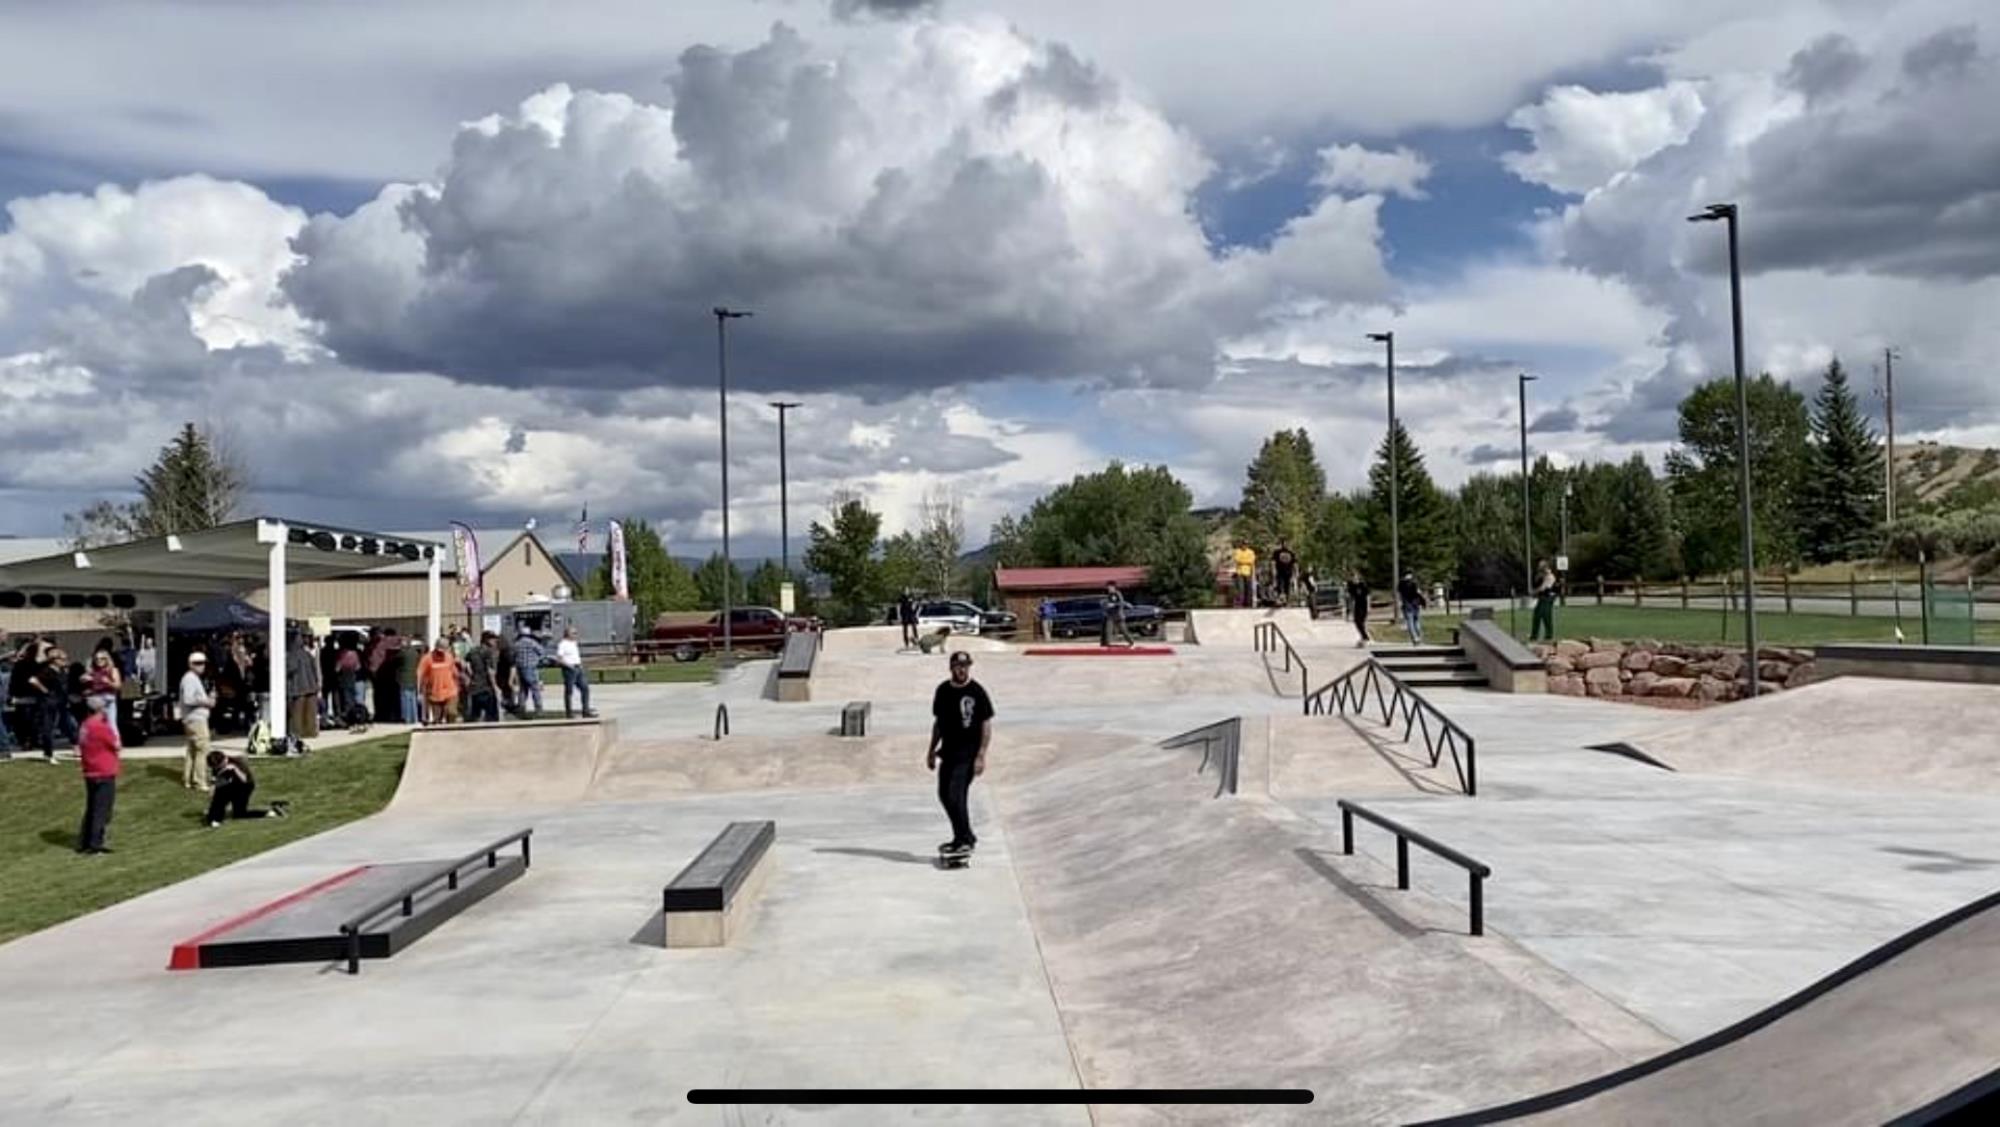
{"x": 569, "y": 655}
{"x": 195, "y": 701}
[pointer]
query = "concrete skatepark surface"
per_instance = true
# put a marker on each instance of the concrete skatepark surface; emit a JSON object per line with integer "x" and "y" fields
{"x": 1119, "y": 927}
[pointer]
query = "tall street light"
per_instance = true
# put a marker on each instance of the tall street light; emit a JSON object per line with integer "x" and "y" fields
{"x": 1395, "y": 491}
{"x": 1527, "y": 525}
{"x": 1727, "y": 213}
{"x": 722, "y": 317}
{"x": 784, "y": 499}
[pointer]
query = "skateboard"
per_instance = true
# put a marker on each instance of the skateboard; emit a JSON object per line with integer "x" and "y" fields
{"x": 954, "y": 860}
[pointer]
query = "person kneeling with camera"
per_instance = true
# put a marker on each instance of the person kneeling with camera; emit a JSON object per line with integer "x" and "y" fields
{"x": 230, "y": 775}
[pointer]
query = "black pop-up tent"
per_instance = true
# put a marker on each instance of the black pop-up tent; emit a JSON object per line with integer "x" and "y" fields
{"x": 218, "y": 616}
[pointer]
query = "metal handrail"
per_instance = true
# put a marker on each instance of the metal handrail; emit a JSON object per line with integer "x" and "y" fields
{"x": 1229, "y": 734}
{"x": 1267, "y": 637}
{"x": 1476, "y": 871}
{"x": 406, "y": 895}
{"x": 1350, "y": 691}
{"x": 721, "y": 720}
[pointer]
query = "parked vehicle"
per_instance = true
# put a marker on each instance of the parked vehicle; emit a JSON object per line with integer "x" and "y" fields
{"x": 959, "y": 617}
{"x": 1072, "y": 618}
{"x": 759, "y": 629}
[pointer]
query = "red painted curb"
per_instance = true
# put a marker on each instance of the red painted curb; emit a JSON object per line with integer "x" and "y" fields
{"x": 187, "y": 953}
{"x": 1100, "y": 651}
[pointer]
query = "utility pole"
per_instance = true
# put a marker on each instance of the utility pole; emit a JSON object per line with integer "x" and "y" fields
{"x": 1889, "y": 417}
{"x": 784, "y": 500}
{"x": 1395, "y": 489}
{"x": 1727, "y": 213}
{"x": 1527, "y": 522}
{"x": 722, "y": 317}
{"x": 1564, "y": 577}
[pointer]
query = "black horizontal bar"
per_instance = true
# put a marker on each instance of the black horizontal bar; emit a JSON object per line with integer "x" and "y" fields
{"x": 1403, "y": 831}
{"x": 354, "y": 922}
{"x": 999, "y": 1096}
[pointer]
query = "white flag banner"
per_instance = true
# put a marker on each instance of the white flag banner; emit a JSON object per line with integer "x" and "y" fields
{"x": 617, "y": 538}
{"x": 466, "y": 549}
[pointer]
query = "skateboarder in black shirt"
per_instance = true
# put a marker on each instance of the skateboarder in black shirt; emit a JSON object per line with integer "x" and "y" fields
{"x": 962, "y": 725}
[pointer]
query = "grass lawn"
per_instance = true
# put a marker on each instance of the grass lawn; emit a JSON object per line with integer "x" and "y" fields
{"x": 1671, "y": 624}
{"x": 156, "y": 830}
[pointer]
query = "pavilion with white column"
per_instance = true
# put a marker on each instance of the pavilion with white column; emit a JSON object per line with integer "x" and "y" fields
{"x": 230, "y": 559}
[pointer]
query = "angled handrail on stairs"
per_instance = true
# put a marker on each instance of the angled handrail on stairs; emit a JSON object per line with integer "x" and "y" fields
{"x": 1268, "y": 638}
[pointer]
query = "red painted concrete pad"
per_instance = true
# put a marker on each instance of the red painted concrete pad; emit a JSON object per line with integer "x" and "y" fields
{"x": 1100, "y": 651}
{"x": 187, "y": 953}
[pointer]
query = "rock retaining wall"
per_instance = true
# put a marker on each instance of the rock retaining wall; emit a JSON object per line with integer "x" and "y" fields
{"x": 1605, "y": 667}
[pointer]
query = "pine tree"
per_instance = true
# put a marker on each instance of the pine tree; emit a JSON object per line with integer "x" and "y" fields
{"x": 1423, "y": 514}
{"x": 844, "y": 552}
{"x": 1843, "y": 486}
{"x": 194, "y": 483}
{"x": 1639, "y": 541}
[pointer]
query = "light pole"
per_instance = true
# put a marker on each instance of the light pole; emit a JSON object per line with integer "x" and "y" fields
{"x": 723, "y": 316}
{"x": 784, "y": 499}
{"x": 1564, "y": 585}
{"x": 1727, "y": 213}
{"x": 1527, "y": 525}
{"x": 1395, "y": 500}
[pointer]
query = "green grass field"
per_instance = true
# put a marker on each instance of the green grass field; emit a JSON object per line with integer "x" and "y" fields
{"x": 156, "y": 834}
{"x": 1671, "y": 624}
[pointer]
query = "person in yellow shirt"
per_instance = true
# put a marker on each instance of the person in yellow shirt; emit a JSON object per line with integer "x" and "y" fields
{"x": 1246, "y": 570}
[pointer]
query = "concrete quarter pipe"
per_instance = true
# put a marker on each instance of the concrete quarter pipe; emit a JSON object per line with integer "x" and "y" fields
{"x": 1904, "y": 1034}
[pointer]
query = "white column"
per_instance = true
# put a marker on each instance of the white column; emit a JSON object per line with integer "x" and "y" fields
{"x": 433, "y": 620}
{"x": 273, "y": 533}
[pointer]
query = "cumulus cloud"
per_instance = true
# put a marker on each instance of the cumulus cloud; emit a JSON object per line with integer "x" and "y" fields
{"x": 1582, "y": 139}
{"x": 968, "y": 205}
{"x": 1561, "y": 420}
{"x": 1357, "y": 168}
{"x": 884, "y": 9}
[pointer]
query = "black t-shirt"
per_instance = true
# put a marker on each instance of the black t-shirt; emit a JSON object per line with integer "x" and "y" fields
{"x": 961, "y": 711}
{"x": 906, "y": 611}
{"x": 1284, "y": 561}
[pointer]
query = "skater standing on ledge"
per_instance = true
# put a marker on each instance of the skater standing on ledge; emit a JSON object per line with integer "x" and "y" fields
{"x": 961, "y": 727}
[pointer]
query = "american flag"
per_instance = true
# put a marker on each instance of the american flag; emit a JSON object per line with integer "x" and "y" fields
{"x": 583, "y": 530}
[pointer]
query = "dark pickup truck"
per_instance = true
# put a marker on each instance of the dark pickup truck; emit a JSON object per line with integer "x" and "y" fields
{"x": 1074, "y": 618}
{"x": 750, "y": 628}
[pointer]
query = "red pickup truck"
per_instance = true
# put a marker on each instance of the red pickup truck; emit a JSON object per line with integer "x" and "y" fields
{"x": 750, "y": 628}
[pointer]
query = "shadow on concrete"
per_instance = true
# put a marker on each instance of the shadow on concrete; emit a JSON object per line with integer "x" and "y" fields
{"x": 1362, "y": 894}
{"x": 897, "y": 855}
{"x": 1405, "y": 762}
{"x": 652, "y": 933}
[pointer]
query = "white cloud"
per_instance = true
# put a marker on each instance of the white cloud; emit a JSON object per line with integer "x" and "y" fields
{"x": 1583, "y": 139}
{"x": 1357, "y": 168}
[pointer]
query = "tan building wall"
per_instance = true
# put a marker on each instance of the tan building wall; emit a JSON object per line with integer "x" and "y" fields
{"x": 523, "y": 570}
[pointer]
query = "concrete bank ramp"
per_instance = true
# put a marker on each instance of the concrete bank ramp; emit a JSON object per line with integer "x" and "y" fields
{"x": 529, "y": 763}
{"x": 1233, "y": 627}
{"x": 1194, "y": 941}
{"x": 1900, "y": 1032}
{"x": 1861, "y": 731}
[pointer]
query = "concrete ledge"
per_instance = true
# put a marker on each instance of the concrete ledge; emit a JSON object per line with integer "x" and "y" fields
{"x": 791, "y": 677}
{"x": 1506, "y": 664}
{"x": 711, "y": 898}
{"x": 1960, "y": 664}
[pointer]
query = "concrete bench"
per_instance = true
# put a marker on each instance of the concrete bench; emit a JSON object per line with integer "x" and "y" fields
{"x": 599, "y": 674}
{"x": 854, "y": 719}
{"x": 795, "y": 666}
{"x": 710, "y": 898}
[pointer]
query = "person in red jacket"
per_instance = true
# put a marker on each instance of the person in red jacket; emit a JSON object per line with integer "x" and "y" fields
{"x": 98, "y": 747}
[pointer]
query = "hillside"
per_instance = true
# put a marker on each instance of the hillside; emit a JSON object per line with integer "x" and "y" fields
{"x": 1952, "y": 477}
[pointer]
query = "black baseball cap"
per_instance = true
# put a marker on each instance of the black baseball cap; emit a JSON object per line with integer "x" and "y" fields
{"x": 960, "y": 657}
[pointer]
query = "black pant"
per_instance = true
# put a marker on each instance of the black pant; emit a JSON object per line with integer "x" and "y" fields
{"x": 1361, "y": 623}
{"x": 1544, "y": 625}
{"x": 1284, "y": 583}
{"x": 234, "y": 798}
{"x": 35, "y": 724}
{"x": 954, "y": 774}
{"x": 98, "y": 795}
{"x": 909, "y": 631}
{"x": 484, "y": 707}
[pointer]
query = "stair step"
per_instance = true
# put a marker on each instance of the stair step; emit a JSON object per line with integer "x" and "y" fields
{"x": 1471, "y": 679}
{"x": 1386, "y": 652}
{"x": 1426, "y": 665}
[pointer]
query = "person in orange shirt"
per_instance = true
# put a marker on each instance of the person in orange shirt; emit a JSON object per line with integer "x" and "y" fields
{"x": 437, "y": 683}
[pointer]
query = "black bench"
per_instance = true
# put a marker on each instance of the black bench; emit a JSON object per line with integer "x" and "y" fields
{"x": 706, "y": 901}
{"x": 854, "y": 718}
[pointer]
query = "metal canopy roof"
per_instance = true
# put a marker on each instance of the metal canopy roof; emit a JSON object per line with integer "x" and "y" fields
{"x": 228, "y": 559}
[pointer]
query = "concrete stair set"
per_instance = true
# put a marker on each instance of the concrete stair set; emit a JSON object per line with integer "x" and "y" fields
{"x": 1430, "y": 666}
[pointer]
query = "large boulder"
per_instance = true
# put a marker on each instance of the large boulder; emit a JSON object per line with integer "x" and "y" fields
{"x": 1669, "y": 665}
{"x": 1638, "y": 661}
{"x": 1642, "y": 684}
{"x": 1782, "y": 653}
{"x": 1567, "y": 684}
{"x": 1602, "y": 681}
{"x": 1560, "y": 665}
{"x": 1773, "y": 672}
{"x": 1606, "y": 646}
{"x": 1698, "y": 668}
{"x": 1673, "y": 687}
{"x": 1801, "y": 674}
{"x": 1596, "y": 659}
{"x": 1728, "y": 666}
{"x": 1572, "y": 649}
{"x": 1712, "y": 688}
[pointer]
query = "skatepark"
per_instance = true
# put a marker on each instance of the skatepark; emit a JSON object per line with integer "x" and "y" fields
{"x": 1772, "y": 911}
